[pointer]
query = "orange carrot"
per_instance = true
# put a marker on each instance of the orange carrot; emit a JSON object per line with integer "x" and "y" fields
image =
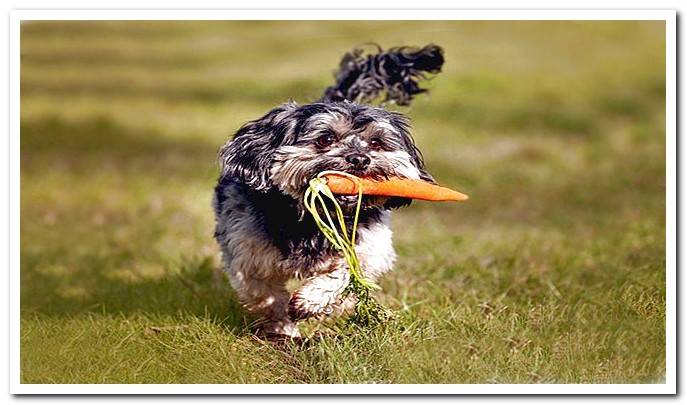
{"x": 416, "y": 189}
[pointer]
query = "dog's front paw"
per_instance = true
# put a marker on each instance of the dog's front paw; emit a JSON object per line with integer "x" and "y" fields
{"x": 301, "y": 308}
{"x": 279, "y": 330}
{"x": 318, "y": 294}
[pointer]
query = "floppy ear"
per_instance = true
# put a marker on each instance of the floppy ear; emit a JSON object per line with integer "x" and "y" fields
{"x": 419, "y": 162}
{"x": 248, "y": 156}
{"x": 401, "y": 123}
{"x": 416, "y": 158}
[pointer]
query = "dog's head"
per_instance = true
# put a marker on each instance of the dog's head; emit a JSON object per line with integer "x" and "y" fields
{"x": 292, "y": 144}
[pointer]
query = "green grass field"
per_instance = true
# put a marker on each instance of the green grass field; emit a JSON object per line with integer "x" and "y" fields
{"x": 553, "y": 271}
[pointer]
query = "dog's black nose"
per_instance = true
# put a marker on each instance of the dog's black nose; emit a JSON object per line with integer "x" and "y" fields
{"x": 358, "y": 160}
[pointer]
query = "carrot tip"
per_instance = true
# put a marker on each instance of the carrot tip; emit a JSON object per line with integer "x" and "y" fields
{"x": 415, "y": 189}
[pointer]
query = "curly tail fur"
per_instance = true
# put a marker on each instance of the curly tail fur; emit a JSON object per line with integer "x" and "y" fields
{"x": 396, "y": 72}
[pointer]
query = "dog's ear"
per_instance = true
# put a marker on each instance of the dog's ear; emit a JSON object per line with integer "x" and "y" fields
{"x": 418, "y": 161}
{"x": 402, "y": 125}
{"x": 416, "y": 156}
{"x": 248, "y": 156}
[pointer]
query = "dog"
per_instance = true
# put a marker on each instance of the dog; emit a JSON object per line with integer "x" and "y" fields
{"x": 262, "y": 230}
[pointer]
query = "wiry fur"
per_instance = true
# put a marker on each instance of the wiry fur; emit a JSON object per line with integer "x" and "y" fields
{"x": 263, "y": 232}
{"x": 397, "y": 71}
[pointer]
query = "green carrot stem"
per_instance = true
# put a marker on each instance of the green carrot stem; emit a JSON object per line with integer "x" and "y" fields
{"x": 367, "y": 310}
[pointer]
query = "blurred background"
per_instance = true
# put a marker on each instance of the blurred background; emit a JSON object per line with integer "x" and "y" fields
{"x": 553, "y": 271}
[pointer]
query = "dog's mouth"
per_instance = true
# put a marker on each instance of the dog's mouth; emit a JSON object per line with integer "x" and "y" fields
{"x": 348, "y": 203}
{"x": 348, "y": 199}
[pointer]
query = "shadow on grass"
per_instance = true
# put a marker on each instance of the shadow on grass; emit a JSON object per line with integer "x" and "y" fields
{"x": 194, "y": 287}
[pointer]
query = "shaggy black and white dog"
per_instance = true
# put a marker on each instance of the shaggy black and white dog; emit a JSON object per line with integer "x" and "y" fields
{"x": 263, "y": 232}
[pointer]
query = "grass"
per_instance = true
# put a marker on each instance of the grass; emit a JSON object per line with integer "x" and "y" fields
{"x": 554, "y": 271}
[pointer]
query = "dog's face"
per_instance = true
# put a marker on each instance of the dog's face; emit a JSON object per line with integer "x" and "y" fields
{"x": 292, "y": 144}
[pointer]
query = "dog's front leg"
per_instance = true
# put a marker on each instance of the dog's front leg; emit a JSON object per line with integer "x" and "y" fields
{"x": 318, "y": 295}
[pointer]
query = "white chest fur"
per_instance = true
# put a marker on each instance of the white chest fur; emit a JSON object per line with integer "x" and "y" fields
{"x": 374, "y": 247}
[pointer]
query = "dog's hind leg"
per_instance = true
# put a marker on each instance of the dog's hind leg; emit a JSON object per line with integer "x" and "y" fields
{"x": 318, "y": 294}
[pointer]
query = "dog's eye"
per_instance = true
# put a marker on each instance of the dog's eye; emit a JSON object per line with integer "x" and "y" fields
{"x": 325, "y": 140}
{"x": 376, "y": 143}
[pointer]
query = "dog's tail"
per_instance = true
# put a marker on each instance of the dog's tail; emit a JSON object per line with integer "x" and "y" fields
{"x": 397, "y": 72}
